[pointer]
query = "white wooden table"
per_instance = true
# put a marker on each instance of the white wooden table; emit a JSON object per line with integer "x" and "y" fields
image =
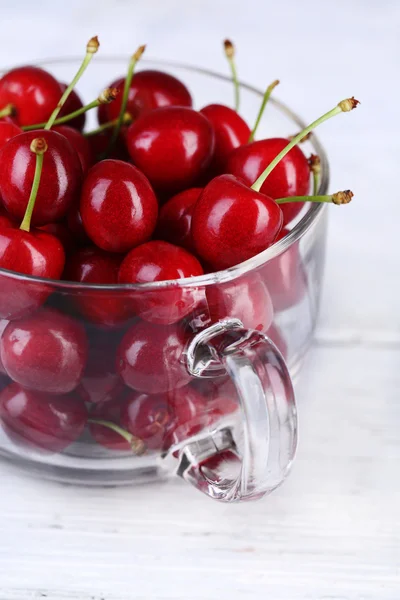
{"x": 333, "y": 531}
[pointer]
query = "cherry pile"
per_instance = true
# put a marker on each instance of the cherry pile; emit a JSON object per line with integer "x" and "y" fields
{"x": 158, "y": 192}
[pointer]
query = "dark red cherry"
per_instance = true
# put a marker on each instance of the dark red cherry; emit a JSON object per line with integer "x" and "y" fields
{"x": 45, "y": 352}
{"x": 190, "y": 414}
{"x": 175, "y": 218}
{"x": 246, "y": 298}
{"x": 118, "y": 206}
{"x": 79, "y": 143}
{"x": 75, "y": 225}
{"x": 8, "y": 130}
{"x": 103, "y": 435}
{"x": 72, "y": 104}
{"x": 285, "y": 276}
{"x": 100, "y": 381}
{"x": 231, "y": 131}
{"x": 40, "y": 420}
{"x": 291, "y": 177}
{"x": 60, "y": 181}
{"x": 62, "y": 233}
{"x": 100, "y": 146}
{"x": 161, "y": 261}
{"x": 32, "y": 91}
{"x": 173, "y": 147}
{"x": 148, "y": 418}
{"x": 231, "y": 222}
{"x": 151, "y": 359}
{"x": 92, "y": 265}
{"x": 149, "y": 90}
{"x": 35, "y": 253}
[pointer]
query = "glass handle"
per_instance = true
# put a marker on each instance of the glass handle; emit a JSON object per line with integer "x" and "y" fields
{"x": 250, "y": 459}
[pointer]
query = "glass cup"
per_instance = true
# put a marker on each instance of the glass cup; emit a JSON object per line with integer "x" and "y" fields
{"x": 131, "y": 383}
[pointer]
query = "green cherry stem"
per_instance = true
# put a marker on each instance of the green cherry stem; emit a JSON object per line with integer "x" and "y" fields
{"x": 39, "y": 147}
{"x": 315, "y": 167}
{"x": 137, "y": 445}
{"x": 266, "y": 97}
{"x": 106, "y": 96}
{"x": 91, "y": 49}
{"x": 343, "y": 197}
{"x": 343, "y": 106}
{"x": 131, "y": 69}
{"x": 127, "y": 120}
{"x": 7, "y": 111}
{"x": 230, "y": 55}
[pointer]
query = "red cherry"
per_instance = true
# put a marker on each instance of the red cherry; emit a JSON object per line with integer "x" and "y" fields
{"x": 105, "y": 436}
{"x": 45, "y": 352}
{"x": 291, "y": 177}
{"x": 92, "y": 265}
{"x": 32, "y": 91}
{"x": 79, "y": 143}
{"x": 35, "y": 253}
{"x": 8, "y": 130}
{"x": 100, "y": 143}
{"x": 62, "y": 233}
{"x": 72, "y": 104}
{"x": 35, "y": 419}
{"x": 75, "y": 225}
{"x": 173, "y": 146}
{"x": 161, "y": 261}
{"x": 148, "y": 418}
{"x": 246, "y": 299}
{"x": 150, "y": 357}
{"x": 175, "y": 218}
{"x": 3, "y": 325}
{"x": 149, "y": 90}
{"x": 100, "y": 381}
{"x": 60, "y": 181}
{"x": 230, "y": 130}
{"x": 231, "y": 222}
{"x": 118, "y": 206}
{"x": 285, "y": 276}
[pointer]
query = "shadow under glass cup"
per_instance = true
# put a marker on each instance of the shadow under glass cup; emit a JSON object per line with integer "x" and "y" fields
{"x": 208, "y": 396}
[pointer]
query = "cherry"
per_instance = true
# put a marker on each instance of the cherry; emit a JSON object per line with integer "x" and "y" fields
{"x": 79, "y": 143}
{"x": 175, "y": 218}
{"x": 189, "y": 408}
{"x": 99, "y": 143}
{"x": 246, "y": 299}
{"x": 92, "y": 265}
{"x": 72, "y": 104}
{"x": 285, "y": 276}
{"x": 8, "y": 130}
{"x": 104, "y": 434}
{"x": 32, "y": 91}
{"x": 35, "y": 419}
{"x": 150, "y": 357}
{"x": 60, "y": 182}
{"x": 75, "y": 225}
{"x": 291, "y": 177}
{"x": 149, "y": 90}
{"x": 231, "y": 131}
{"x": 34, "y": 253}
{"x": 118, "y": 206}
{"x": 173, "y": 146}
{"x": 3, "y": 325}
{"x": 100, "y": 381}
{"x": 231, "y": 222}
{"x": 63, "y": 234}
{"x": 45, "y": 352}
{"x": 161, "y": 261}
{"x": 149, "y": 418}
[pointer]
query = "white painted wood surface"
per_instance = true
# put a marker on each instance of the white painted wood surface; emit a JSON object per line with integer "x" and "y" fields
{"x": 333, "y": 531}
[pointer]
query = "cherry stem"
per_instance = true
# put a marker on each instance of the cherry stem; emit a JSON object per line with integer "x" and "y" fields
{"x": 137, "y": 445}
{"x": 91, "y": 49}
{"x": 7, "y": 111}
{"x": 39, "y": 147}
{"x": 343, "y": 197}
{"x": 266, "y": 97}
{"x": 315, "y": 167}
{"x": 343, "y": 106}
{"x": 127, "y": 120}
{"x": 131, "y": 69}
{"x": 230, "y": 55}
{"x": 106, "y": 96}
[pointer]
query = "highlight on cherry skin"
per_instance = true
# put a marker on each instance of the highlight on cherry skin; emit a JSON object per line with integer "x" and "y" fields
{"x": 93, "y": 222}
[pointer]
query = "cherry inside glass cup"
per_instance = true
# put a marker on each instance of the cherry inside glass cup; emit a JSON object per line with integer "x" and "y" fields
{"x": 204, "y": 392}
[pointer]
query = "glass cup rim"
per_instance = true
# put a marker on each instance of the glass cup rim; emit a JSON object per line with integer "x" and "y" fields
{"x": 226, "y": 275}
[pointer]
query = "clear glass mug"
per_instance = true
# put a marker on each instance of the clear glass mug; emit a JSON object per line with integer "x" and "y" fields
{"x": 208, "y": 396}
